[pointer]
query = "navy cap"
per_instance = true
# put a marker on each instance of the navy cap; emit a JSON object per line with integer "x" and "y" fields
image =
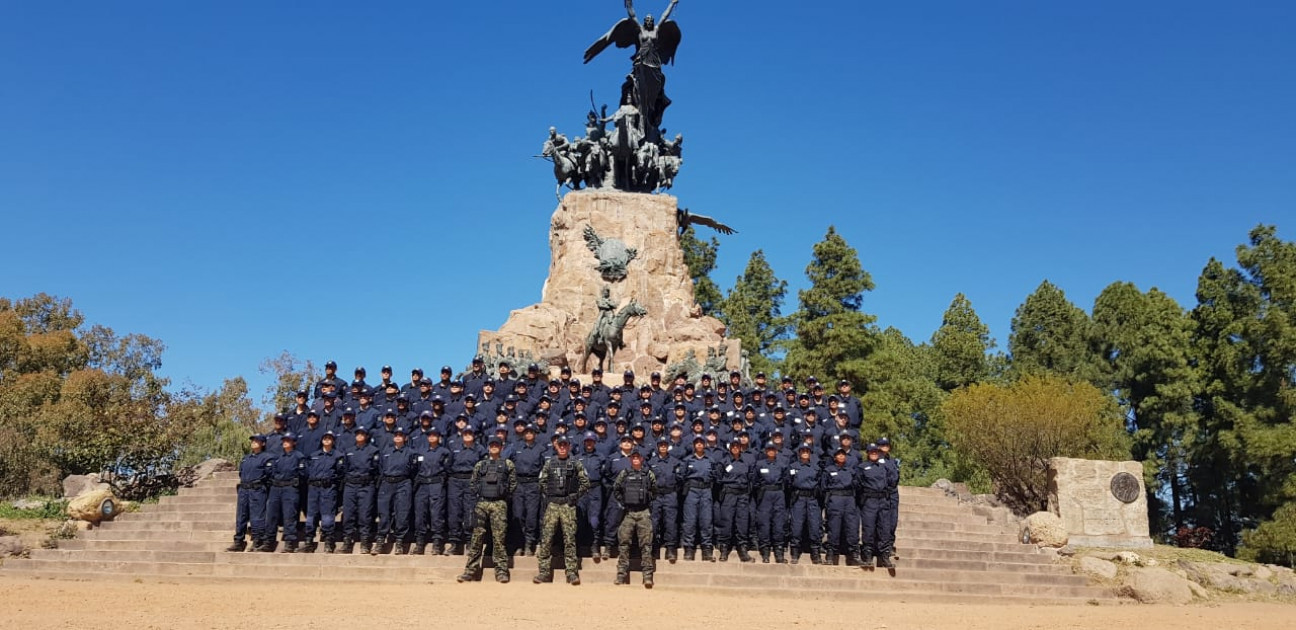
{"x": 843, "y": 382}
{"x": 437, "y": 399}
{"x": 495, "y": 439}
{"x": 456, "y": 383}
{"x": 698, "y": 438}
{"x": 289, "y": 436}
{"x": 636, "y": 454}
{"x": 366, "y": 392}
{"x": 418, "y": 371}
{"x": 597, "y": 372}
{"x": 331, "y": 364}
{"x": 734, "y": 442}
{"x": 330, "y": 394}
{"x": 626, "y": 438}
{"x": 760, "y": 375}
{"x": 402, "y": 398}
{"x": 445, "y": 369}
{"x": 531, "y": 428}
{"x": 280, "y": 416}
{"x": 462, "y": 416}
{"x": 433, "y": 431}
{"x": 705, "y": 377}
{"x": 872, "y": 447}
{"x": 470, "y": 397}
{"x": 805, "y": 447}
{"x": 735, "y": 373}
{"x": 348, "y": 412}
{"x": 362, "y": 430}
{"x": 681, "y": 406}
{"x": 391, "y": 386}
{"x": 663, "y": 440}
{"x": 399, "y": 431}
{"x": 425, "y": 382}
{"x": 883, "y": 442}
{"x": 258, "y": 437}
{"x": 425, "y": 414}
{"x": 629, "y": 373}
{"x": 770, "y": 446}
{"x": 357, "y": 384}
{"x": 747, "y": 408}
{"x": 390, "y": 412}
{"x": 561, "y": 438}
{"x": 477, "y": 360}
{"x": 590, "y": 435}
{"x": 656, "y": 375}
{"x": 511, "y": 398}
{"x": 521, "y": 421}
{"x": 328, "y": 434}
{"x": 533, "y": 368}
{"x": 386, "y": 368}
{"x": 301, "y": 393}
{"x": 600, "y": 420}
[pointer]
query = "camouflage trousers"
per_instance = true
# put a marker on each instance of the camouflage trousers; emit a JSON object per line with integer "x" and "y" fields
{"x": 492, "y": 514}
{"x": 636, "y": 524}
{"x": 556, "y": 516}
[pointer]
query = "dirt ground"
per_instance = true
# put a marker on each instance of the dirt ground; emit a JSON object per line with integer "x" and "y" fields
{"x": 34, "y": 603}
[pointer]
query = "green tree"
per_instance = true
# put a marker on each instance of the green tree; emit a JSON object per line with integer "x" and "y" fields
{"x": 1012, "y": 430}
{"x": 831, "y": 331}
{"x": 753, "y": 311}
{"x": 1274, "y": 540}
{"x": 961, "y": 346}
{"x": 221, "y": 422}
{"x": 1146, "y": 347}
{"x": 290, "y": 376}
{"x": 700, "y": 258}
{"x": 1050, "y": 334}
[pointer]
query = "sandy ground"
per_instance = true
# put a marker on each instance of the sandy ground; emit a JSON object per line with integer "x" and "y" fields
{"x": 34, "y": 603}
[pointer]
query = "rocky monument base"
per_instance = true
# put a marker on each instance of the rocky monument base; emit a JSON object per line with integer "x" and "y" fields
{"x": 618, "y": 293}
{"x": 1101, "y": 503}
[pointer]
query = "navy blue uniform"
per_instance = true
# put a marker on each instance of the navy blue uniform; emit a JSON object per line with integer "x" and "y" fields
{"x": 697, "y": 474}
{"x": 734, "y": 478}
{"x": 430, "y": 475}
{"x": 589, "y": 507}
{"x": 460, "y": 501}
{"x": 361, "y": 470}
{"x": 527, "y": 462}
{"x": 806, "y": 514}
{"x": 877, "y": 482}
{"x": 841, "y": 513}
{"x": 395, "y": 493}
{"x": 286, "y": 477}
{"x": 254, "y": 484}
{"x": 771, "y": 505}
{"x": 323, "y": 475}
{"x": 665, "y": 505}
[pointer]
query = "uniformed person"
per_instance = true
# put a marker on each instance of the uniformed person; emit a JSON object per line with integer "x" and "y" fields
{"x": 459, "y": 497}
{"x": 635, "y": 490}
{"x": 771, "y": 504}
{"x": 324, "y": 470}
{"x": 877, "y": 478}
{"x": 734, "y": 479}
{"x": 527, "y": 457}
{"x": 884, "y": 445}
{"x": 361, "y": 470}
{"x": 613, "y": 465}
{"x": 563, "y": 482}
{"x": 589, "y": 508}
{"x": 841, "y": 515}
{"x": 492, "y": 483}
{"x": 286, "y": 477}
{"x": 430, "y": 475}
{"x": 665, "y": 506}
{"x": 806, "y": 515}
{"x": 698, "y": 475}
{"x": 395, "y": 494}
{"x": 253, "y": 486}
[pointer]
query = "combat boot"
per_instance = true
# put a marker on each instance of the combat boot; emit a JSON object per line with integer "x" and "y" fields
{"x": 690, "y": 554}
{"x": 458, "y": 549}
{"x": 310, "y": 547}
{"x": 348, "y": 545}
{"x": 648, "y": 580}
{"x": 419, "y": 549}
{"x": 779, "y": 556}
{"x": 830, "y": 558}
{"x": 435, "y": 549}
{"x": 723, "y": 553}
{"x": 400, "y": 549}
{"x": 238, "y": 545}
{"x": 796, "y": 555}
{"x": 605, "y": 552}
{"x": 367, "y": 548}
{"x": 743, "y": 556}
{"x": 542, "y": 578}
{"x": 466, "y": 576}
{"x": 815, "y": 557}
{"x": 289, "y": 547}
{"x": 330, "y": 547}
{"x": 706, "y": 554}
{"x": 670, "y": 555}
{"x": 267, "y": 546}
{"x": 853, "y": 559}
{"x": 502, "y": 577}
{"x": 574, "y": 580}
{"x": 621, "y": 578}
{"x": 765, "y": 554}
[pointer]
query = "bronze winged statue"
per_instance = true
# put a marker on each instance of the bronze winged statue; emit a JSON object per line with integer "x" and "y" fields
{"x": 685, "y": 218}
{"x": 655, "y": 44}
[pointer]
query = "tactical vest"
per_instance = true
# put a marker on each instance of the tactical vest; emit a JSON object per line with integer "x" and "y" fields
{"x": 563, "y": 480}
{"x": 494, "y": 480}
{"x": 635, "y": 489}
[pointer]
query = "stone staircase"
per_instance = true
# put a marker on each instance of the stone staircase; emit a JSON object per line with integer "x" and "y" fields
{"x": 946, "y": 552}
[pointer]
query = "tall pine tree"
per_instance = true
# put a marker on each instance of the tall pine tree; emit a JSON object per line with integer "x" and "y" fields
{"x": 831, "y": 330}
{"x": 753, "y": 311}
{"x": 960, "y": 346}
{"x": 1052, "y": 335}
{"x": 700, "y": 258}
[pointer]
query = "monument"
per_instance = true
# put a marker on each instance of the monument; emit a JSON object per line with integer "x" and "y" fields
{"x": 1101, "y": 503}
{"x": 619, "y": 295}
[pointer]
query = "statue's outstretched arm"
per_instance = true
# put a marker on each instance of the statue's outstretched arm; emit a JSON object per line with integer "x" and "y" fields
{"x": 665, "y": 14}
{"x": 630, "y": 9}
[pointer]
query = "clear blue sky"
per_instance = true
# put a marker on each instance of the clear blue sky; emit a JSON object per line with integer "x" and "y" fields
{"x": 353, "y": 180}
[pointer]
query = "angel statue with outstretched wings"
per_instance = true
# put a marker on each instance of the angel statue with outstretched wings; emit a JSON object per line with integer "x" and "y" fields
{"x": 655, "y": 44}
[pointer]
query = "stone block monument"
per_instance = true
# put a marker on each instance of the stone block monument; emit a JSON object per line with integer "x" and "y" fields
{"x": 1101, "y": 503}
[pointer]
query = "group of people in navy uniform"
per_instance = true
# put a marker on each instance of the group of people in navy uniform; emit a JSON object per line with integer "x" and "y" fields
{"x": 745, "y": 468}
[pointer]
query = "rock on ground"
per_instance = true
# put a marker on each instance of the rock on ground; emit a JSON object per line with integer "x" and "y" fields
{"x": 1097, "y": 567}
{"x": 1044, "y": 529}
{"x": 1157, "y": 586}
{"x": 11, "y": 546}
{"x": 87, "y": 507}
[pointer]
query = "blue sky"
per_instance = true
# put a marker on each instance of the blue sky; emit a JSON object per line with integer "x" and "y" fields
{"x": 353, "y": 180}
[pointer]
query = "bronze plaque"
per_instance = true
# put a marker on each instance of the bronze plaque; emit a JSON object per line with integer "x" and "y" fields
{"x": 1125, "y": 487}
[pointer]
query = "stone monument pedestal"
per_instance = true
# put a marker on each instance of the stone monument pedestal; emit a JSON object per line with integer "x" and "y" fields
{"x": 625, "y": 243}
{"x": 1101, "y": 503}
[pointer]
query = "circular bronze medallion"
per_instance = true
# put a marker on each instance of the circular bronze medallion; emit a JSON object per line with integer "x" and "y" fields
{"x": 1125, "y": 487}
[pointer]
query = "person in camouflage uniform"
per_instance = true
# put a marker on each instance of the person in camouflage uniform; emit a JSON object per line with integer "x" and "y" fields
{"x": 634, "y": 490}
{"x": 493, "y": 482}
{"x": 562, "y": 482}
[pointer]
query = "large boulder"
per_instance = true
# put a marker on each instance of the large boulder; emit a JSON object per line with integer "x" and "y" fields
{"x": 1157, "y": 586}
{"x": 11, "y": 546}
{"x": 1045, "y": 530}
{"x": 77, "y": 485}
{"x": 94, "y": 506}
{"x": 1097, "y": 568}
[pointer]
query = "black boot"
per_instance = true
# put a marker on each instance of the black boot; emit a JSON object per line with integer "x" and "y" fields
{"x": 420, "y": 549}
{"x": 852, "y": 558}
{"x": 830, "y": 558}
{"x": 348, "y": 545}
{"x": 309, "y": 547}
{"x": 267, "y": 546}
{"x": 330, "y": 547}
{"x": 690, "y": 554}
{"x": 435, "y": 549}
{"x": 724, "y": 553}
{"x": 458, "y": 549}
{"x": 884, "y": 560}
{"x": 289, "y": 547}
{"x": 796, "y": 555}
{"x": 400, "y": 549}
{"x": 367, "y": 548}
{"x": 743, "y": 556}
{"x": 238, "y": 545}
{"x": 707, "y": 555}
{"x": 778, "y": 555}
{"x": 816, "y": 555}
{"x": 670, "y": 555}
{"x": 765, "y": 554}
